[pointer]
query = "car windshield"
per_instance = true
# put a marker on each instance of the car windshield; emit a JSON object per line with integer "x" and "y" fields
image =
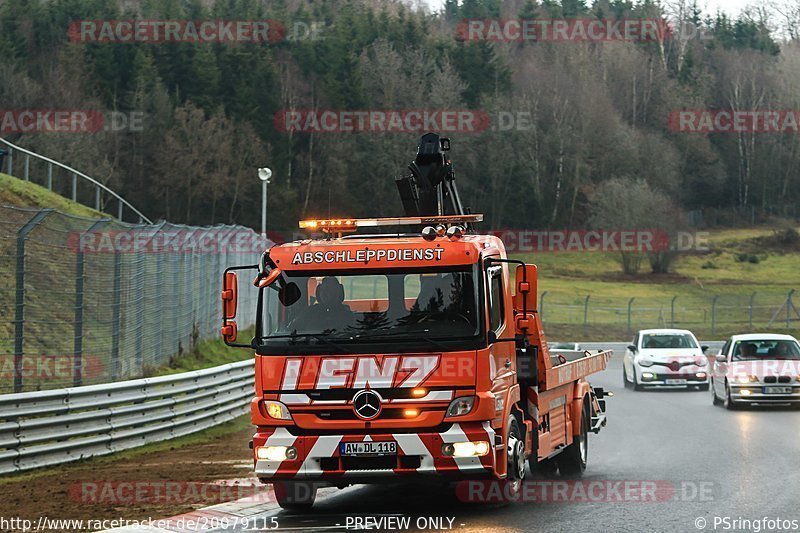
{"x": 754, "y": 350}
{"x": 352, "y": 311}
{"x": 658, "y": 341}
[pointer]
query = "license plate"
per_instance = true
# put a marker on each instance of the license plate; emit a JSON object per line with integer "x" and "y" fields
{"x": 368, "y": 448}
{"x": 675, "y": 382}
{"x": 777, "y": 390}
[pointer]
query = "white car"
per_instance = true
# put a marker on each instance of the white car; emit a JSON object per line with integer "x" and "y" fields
{"x": 762, "y": 368}
{"x": 665, "y": 358}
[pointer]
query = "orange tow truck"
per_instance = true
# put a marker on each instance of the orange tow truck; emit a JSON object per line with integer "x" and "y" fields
{"x": 400, "y": 347}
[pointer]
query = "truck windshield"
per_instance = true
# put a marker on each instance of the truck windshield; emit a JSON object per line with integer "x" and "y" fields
{"x": 411, "y": 310}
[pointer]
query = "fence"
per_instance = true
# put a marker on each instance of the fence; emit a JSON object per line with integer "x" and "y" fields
{"x": 91, "y": 301}
{"x": 63, "y": 179}
{"x": 708, "y": 316}
{"x": 55, "y": 427}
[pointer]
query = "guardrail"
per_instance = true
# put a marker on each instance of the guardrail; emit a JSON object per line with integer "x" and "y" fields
{"x": 98, "y": 187}
{"x": 58, "y": 426}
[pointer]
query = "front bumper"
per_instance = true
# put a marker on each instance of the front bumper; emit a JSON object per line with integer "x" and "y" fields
{"x": 318, "y": 456}
{"x": 755, "y": 393}
{"x": 666, "y": 378}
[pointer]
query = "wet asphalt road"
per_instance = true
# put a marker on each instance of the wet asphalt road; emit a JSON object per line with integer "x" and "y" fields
{"x": 707, "y": 464}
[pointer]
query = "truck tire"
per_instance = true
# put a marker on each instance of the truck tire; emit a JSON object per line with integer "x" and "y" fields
{"x": 295, "y": 495}
{"x": 515, "y": 473}
{"x": 544, "y": 469}
{"x": 572, "y": 461}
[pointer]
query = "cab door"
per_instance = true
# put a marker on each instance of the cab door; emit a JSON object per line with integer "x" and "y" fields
{"x": 500, "y": 327}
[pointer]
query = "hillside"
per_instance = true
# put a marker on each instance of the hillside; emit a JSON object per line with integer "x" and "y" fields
{"x": 21, "y": 193}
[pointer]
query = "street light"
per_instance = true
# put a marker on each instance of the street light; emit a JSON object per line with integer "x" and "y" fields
{"x": 264, "y": 174}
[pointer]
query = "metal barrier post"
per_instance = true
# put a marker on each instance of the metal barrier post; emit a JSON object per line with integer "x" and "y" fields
{"x": 541, "y": 306}
{"x": 74, "y": 187}
{"x": 27, "y": 167}
{"x": 630, "y": 303}
{"x": 115, "y": 315}
{"x": 672, "y": 311}
{"x": 10, "y": 161}
{"x": 19, "y": 314}
{"x": 714, "y": 314}
{"x": 77, "y": 352}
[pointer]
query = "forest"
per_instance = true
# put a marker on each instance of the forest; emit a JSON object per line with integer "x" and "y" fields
{"x": 559, "y": 123}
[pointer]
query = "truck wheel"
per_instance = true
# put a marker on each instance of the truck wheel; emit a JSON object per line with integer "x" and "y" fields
{"x": 295, "y": 495}
{"x": 516, "y": 457}
{"x": 572, "y": 461}
{"x": 544, "y": 469}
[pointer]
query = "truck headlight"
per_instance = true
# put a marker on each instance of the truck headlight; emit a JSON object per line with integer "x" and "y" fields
{"x": 645, "y": 362}
{"x": 277, "y": 410}
{"x": 461, "y": 406}
{"x": 276, "y": 453}
{"x": 466, "y": 449}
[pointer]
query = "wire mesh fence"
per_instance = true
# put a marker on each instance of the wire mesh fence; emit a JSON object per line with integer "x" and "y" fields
{"x": 95, "y": 300}
{"x": 711, "y": 316}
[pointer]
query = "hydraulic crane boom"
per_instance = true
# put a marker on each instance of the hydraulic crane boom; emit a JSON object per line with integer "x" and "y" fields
{"x": 430, "y": 189}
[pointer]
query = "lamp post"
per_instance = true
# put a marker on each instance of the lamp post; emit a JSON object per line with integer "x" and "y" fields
{"x": 264, "y": 174}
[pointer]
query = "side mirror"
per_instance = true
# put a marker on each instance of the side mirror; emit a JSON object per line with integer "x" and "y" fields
{"x": 632, "y": 348}
{"x": 704, "y": 348}
{"x": 721, "y": 358}
{"x": 230, "y": 294}
{"x": 526, "y": 289}
{"x": 229, "y": 331}
{"x": 265, "y": 280}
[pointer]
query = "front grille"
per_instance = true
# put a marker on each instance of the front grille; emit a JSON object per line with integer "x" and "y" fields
{"x": 396, "y": 393}
{"x": 687, "y": 377}
{"x": 674, "y": 365}
{"x": 348, "y": 414}
{"x": 384, "y": 462}
{"x": 770, "y": 379}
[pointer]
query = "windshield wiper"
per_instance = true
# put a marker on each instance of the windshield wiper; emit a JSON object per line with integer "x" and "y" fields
{"x": 294, "y": 338}
{"x": 411, "y": 336}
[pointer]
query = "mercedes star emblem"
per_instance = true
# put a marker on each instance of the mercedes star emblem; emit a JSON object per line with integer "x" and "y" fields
{"x": 367, "y": 404}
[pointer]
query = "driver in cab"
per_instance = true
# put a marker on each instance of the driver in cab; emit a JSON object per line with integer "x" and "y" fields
{"x": 329, "y": 312}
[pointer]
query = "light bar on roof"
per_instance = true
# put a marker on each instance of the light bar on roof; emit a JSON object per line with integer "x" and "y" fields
{"x": 342, "y": 225}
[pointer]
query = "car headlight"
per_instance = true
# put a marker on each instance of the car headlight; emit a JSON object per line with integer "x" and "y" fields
{"x": 277, "y": 410}
{"x": 742, "y": 380}
{"x": 645, "y": 362}
{"x": 700, "y": 360}
{"x": 461, "y": 406}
